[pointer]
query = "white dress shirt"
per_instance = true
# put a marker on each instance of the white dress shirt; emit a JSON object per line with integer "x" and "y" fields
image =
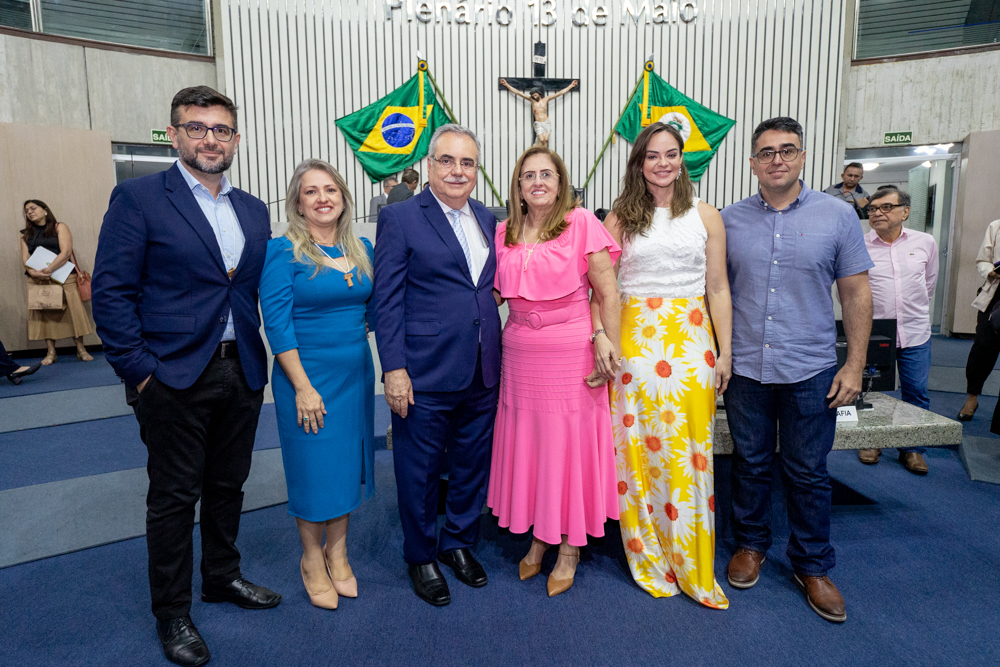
{"x": 479, "y": 247}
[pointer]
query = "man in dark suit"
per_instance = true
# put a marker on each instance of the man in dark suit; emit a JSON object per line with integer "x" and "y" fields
{"x": 175, "y": 301}
{"x": 405, "y": 190}
{"x": 438, "y": 333}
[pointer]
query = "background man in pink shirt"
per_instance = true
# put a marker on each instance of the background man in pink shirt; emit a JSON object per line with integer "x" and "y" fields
{"x": 903, "y": 280}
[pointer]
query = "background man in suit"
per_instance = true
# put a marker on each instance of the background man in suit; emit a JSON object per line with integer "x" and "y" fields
{"x": 175, "y": 301}
{"x": 405, "y": 190}
{"x": 438, "y": 332}
{"x": 382, "y": 199}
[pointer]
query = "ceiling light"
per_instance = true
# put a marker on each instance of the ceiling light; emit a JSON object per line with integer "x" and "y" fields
{"x": 868, "y": 166}
{"x": 926, "y": 164}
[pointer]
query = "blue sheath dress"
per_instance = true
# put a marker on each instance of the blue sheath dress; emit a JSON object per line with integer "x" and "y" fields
{"x": 325, "y": 319}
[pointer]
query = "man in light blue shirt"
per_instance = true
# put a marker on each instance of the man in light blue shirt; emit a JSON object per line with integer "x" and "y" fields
{"x": 221, "y": 216}
{"x": 786, "y": 246}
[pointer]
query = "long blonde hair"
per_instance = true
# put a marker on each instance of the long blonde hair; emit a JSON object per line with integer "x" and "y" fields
{"x": 303, "y": 249}
{"x": 556, "y": 223}
{"x": 634, "y": 206}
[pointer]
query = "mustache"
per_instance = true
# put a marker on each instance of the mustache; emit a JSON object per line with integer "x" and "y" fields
{"x": 456, "y": 180}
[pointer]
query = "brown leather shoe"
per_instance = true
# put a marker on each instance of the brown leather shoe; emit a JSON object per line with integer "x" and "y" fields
{"x": 823, "y": 597}
{"x": 914, "y": 462}
{"x": 869, "y": 456}
{"x": 743, "y": 570}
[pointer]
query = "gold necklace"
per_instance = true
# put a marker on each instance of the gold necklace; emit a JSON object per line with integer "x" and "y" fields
{"x": 524, "y": 239}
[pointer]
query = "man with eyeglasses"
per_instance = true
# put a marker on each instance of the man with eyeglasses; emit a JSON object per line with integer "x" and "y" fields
{"x": 902, "y": 282}
{"x": 438, "y": 331}
{"x": 786, "y": 247}
{"x": 175, "y": 300}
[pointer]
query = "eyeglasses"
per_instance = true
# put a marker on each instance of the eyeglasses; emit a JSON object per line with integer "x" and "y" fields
{"x": 788, "y": 153}
{"x": 885, "y": 208}
{"x": 200, "y": 131}
{"x": 468, "y": 164}
{"x": 544, "y": 176}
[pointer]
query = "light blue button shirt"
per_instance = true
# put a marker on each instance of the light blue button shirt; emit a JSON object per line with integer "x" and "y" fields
{"x": 222, "y": 218}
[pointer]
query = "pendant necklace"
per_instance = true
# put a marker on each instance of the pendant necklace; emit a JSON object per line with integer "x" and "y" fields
{"x": 530, "y": 250}
{"x": 348, "y": 272}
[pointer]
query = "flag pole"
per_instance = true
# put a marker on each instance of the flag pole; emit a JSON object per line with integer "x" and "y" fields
{"x": 612, "y": 134}
{"x": 451, "y": 114}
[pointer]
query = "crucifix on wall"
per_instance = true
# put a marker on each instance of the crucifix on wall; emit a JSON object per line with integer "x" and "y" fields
{"x": 539, "y": 91}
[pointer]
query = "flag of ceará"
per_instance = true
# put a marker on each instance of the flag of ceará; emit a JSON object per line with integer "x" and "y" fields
{"x": 656, "y": 100}
{"x": 392, "y": 133}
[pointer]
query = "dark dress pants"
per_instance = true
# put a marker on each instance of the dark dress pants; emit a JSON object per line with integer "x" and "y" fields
{"x": 984, "y": 352}
{"x": 453, "y": 424}
{"x": 200, "y": 443}
{"x": 7, "y": 365}
{"x": 757, "y": 413}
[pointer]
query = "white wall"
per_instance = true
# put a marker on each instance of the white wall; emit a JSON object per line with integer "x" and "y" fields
{"x": 940, "y": 100}
{"x": 124, "y": 94}
{"x": 295, "y": 67}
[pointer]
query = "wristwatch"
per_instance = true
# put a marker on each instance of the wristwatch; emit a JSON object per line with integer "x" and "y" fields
{"x": 594, "y": 335}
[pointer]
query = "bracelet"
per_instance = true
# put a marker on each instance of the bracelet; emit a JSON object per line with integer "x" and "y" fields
{"x": 594, "y": 335}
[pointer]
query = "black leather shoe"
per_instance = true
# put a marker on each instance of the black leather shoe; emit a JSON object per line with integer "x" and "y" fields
{"x": 429, "y": 584}
{"x": 181, "y": 642}
{"x": 16, "y": 376}
{"x": 241, "y": 593}
{"x": 466, "y": 567}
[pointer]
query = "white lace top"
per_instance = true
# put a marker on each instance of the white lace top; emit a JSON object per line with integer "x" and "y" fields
{"x": 669, "y": 261}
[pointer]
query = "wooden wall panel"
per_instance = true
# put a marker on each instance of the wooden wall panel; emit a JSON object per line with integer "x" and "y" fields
{"x": 71, "y": 171}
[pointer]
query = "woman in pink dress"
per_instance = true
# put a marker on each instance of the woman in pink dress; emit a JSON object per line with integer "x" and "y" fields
{"x": 553, "y": 461}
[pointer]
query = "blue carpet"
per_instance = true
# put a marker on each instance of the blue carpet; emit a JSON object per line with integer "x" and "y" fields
{"x": 952, "y": 352}
{"x": 915, "y": 563}
{"x": 56, "y": 453}
{"x": 67, "y": 373}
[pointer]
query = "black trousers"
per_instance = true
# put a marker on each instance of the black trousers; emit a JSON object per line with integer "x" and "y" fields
{"x": 200, "y": 444}
{"x": 7, "y": 365}
{"x": 984, "y": 352}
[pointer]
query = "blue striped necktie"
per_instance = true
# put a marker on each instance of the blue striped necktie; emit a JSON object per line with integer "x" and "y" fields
{"x": 456, "y": 224}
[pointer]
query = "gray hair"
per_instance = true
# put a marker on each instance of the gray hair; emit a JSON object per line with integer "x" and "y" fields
{"x": 386, "y": 182}
{"x": 781, "y": 124}
{"x": 886, "y": 190}
{"x": 303, "y": 250}
{"x": 454, "y": 128}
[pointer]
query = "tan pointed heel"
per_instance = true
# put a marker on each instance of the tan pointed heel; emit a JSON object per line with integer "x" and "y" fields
{"x": 327, "y": 600}
{"x": 346, "y": 587}
{"x": 527, "y": 571}
{"x": 557, "y": 586}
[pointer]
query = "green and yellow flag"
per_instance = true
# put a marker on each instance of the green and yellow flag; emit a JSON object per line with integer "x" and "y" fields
{"x": 394, "y": 132}
{"x": 656, "y": 100}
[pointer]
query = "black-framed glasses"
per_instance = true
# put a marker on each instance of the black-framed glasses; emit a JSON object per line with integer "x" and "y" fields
{"x": 468, "y": 164}
{"x": 200, "y": 131}
{"x": 885, "y": 208}
{"x": 788, "y": 153}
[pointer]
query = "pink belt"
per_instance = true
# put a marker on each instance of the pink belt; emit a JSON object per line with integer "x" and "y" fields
{"x": 547, "y": 313}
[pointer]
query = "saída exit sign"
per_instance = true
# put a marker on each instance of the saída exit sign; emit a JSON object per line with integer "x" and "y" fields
{"x": 897, "y": 138}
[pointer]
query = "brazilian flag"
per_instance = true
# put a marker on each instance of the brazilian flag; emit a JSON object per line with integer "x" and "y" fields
{"x": 656, "y": 100}
{"x": 394, "y": 132}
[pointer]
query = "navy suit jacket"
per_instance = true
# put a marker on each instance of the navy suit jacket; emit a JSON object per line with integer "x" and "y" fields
{"x": 161, "y": 295}
{"x": 430, "y": 318}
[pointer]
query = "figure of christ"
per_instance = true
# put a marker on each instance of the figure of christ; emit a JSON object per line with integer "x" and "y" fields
{"x": 540, "y": 109}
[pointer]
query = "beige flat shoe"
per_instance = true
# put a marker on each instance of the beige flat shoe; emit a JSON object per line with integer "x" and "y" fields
{"x": 326, "y": 600}
{"x": 50, "y": 359}
{"x": 83, "y": 355}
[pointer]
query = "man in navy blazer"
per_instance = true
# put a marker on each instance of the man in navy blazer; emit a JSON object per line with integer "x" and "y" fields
{"x": 438, "y": 334}
{"x": 175, "y": 302}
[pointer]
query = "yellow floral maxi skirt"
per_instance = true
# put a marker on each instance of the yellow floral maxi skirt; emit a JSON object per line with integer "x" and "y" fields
{"x": 663, "y": 413}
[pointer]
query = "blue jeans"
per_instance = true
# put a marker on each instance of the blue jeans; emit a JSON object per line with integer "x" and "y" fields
{"x": 914, "y": 364}
{"x": 757, "y": 413}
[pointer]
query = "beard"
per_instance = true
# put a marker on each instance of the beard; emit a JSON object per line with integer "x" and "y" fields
{"x": 191, "y": 159}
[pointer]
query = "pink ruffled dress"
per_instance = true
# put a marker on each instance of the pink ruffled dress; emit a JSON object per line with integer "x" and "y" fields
{"x": 553, "y": 463}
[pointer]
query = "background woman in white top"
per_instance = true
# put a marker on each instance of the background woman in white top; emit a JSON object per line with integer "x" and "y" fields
{"x": 672, "y": 272}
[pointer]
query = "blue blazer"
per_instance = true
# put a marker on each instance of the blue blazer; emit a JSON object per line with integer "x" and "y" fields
{"x": 161, "y": 295}
{"x": 430, "y": 318}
